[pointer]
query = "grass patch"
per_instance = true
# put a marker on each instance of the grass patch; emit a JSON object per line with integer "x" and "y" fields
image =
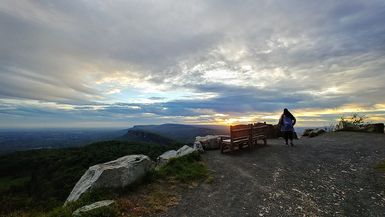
{"x": 188, "y": 168}
{"x": 155, "y": 197}
{"x": 163, "y": 186}
{"x": 86, "y": 199}
{"x": 157, "y": 193}
{"x": 109, "y": 211}
{"x": 210, "y": 180}
{"x": 381, "y": 166}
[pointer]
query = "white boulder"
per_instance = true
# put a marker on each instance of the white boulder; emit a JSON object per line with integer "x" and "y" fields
{"x": 165, "y": 157}
{"x": 198, "y": 146}
{"x": 185, "y": 150}
{"x": 209, "y": 141}
{"x": 313, "y": 132}
{"x": 114, "y": 174}
{"x": 96, "y": 205}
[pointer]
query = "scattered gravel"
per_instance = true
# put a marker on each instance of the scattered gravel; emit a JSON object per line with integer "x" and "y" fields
{"x": 329, "y": 175}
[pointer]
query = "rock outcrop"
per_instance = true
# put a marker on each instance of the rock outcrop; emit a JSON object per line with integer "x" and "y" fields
{"x": 96, "y": 205}
{"x": 114, "y": 174}
{"x": 208, "y": 142}
{"x": 198, "y": 146}
{"x": 165, "y": 157}
{"x": 313, "y": 132}
{"x": 185, "y": 150}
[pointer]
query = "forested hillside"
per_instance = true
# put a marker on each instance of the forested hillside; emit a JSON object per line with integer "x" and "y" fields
{"x": 42, "y": 179}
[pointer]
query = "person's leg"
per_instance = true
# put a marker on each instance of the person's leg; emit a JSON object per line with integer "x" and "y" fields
{"x": 286, "y": 137}
{"x": 290, "y": 135}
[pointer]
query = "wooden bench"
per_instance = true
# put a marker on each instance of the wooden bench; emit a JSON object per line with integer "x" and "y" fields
{"x": 258, "y": 132}
{"x": 240, "y": 137}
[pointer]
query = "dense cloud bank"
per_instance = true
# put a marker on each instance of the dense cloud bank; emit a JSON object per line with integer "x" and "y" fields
{"x": 188, "y": 61}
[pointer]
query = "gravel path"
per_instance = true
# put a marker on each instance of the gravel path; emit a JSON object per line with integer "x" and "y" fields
{"x": 330, "y": 175}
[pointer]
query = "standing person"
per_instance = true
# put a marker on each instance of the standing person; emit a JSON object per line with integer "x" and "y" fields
{"x": 287, "y": 122}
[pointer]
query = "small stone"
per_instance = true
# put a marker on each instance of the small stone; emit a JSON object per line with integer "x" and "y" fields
{"x": 93, "y": 206}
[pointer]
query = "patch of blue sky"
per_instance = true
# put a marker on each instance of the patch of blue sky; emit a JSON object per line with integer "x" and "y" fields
{"x": 134, "y": 95}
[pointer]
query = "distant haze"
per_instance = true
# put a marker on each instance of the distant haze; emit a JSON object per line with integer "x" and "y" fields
{"x": 122, "y": 63}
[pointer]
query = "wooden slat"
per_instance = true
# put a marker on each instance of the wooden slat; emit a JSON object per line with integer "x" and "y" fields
{"x": 241, "y": 130}
{"x": 241, "y": 140}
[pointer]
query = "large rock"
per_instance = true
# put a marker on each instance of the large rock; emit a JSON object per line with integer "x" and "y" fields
{"x": 114, "y": 174}
{"x": 168, "y": 155}
{"x": 209, "y": 142}
{"x": 313, "y": 132}
{"x": 198, "y": 147}
{"x": 307, "y": 132}
{"x": 185, "y": 150}
{"x": 165, "y": 157}
{"x": 96, "y": 205}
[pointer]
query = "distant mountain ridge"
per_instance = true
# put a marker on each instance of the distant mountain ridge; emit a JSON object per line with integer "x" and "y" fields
{"x": 142, "y": 136}
{"x": 26, "y": 139}
{"x": 175, "y": 132}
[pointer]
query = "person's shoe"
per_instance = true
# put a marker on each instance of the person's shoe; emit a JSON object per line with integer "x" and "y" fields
{"x": 291, "y": 144}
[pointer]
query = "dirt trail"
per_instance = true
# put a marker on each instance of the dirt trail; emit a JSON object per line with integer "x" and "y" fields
{"x": 330, "y": 175}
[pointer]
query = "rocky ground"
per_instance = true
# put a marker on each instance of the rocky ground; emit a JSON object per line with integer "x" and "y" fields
{"x": 329, "y": 175}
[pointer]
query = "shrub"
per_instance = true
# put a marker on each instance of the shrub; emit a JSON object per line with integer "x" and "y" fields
{"x": 351, "y": 123}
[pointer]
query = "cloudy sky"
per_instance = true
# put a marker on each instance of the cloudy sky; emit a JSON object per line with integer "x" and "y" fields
{"x": 118, "y": 63}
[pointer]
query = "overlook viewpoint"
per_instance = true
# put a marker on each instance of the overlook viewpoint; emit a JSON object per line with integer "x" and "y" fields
{"x": 331, "y": 175}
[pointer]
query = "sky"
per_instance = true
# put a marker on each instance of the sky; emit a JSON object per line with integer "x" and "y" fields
{"x": 119, "y": 63}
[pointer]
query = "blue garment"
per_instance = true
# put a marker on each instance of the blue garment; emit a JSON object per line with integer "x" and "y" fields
{"x": 287, "y": 124}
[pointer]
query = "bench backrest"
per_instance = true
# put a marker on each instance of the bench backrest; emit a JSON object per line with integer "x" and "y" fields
{"x": 259, "y": 129}
{"x": 240, "y": 132}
